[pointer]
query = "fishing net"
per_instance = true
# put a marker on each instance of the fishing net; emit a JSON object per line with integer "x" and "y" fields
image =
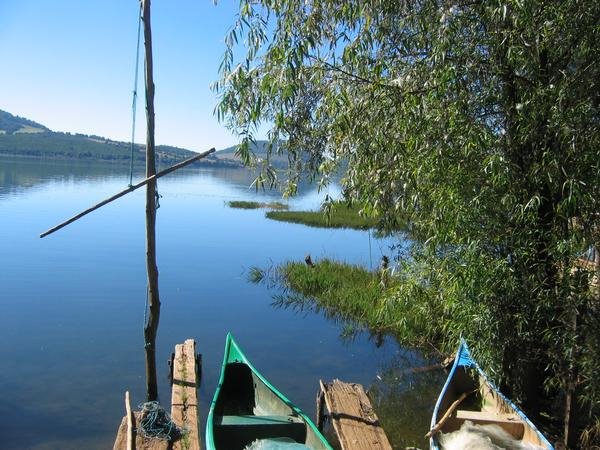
{"x": 276, "y": 444}
{"x": 157, "y": 424}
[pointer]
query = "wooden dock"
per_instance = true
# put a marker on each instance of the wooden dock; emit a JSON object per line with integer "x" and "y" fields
{"x": 184, "y": 407}
{"x": 354, "y": 421}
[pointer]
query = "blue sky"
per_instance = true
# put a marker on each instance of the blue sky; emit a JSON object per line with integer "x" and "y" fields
{"x": 69, "y": 64}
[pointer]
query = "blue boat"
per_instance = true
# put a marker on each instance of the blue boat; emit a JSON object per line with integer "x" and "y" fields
{"x": 468, "y": 395}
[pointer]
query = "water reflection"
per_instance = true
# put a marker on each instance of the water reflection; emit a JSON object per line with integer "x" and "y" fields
{"x": 18, "y": 175}
{"x": 404, "y": 396}
{"x": 73, "y": 303}
{"x": 406, "y": 386}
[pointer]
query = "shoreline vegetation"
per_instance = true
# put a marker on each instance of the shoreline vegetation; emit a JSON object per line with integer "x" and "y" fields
{"x": 358, "y": 300}
{"x": 479, "y": 123}
{"x": 344, "y": 291}
{"x": 339, "y": 215}
{"x": 335, "y": 215}
{"x": 244, "y": 204}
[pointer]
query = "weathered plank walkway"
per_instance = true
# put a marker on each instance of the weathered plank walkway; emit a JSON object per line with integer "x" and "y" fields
{"x": 184, "y": 406}
{"x": 184, "y": 395}
{"x": 354, "y": 421}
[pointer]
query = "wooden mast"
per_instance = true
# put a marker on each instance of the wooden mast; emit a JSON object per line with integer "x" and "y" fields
{"x": 151, "y": 325}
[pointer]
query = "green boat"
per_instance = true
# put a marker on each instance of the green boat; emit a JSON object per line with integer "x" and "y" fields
{"x": 248, "y": 412}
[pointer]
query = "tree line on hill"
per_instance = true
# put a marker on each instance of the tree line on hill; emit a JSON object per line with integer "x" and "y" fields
{"x": 26, "y": 138}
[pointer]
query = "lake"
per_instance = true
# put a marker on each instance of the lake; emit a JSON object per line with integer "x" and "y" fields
{"x": 73, "y": 303}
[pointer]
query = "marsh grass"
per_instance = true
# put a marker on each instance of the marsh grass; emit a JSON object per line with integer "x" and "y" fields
{"x": 347, "y": 291}
{"x": 339, "y": 216}
{"x": 355, "y": 298}
{"x": 243, "y": 204}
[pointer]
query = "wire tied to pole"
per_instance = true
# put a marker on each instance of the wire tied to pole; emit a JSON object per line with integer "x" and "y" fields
{"x": 134, "y": 102}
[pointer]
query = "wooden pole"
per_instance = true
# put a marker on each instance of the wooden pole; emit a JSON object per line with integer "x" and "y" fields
{"x": 151, "y": 326}
{"x": 128, "y": 190}
{"x": 129, "y": 422}
{"x": 445, "y": 417}
{"x": 320, "y": 407}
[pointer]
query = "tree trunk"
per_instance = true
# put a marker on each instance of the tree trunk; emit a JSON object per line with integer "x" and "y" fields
{"x": 151, "y": 325}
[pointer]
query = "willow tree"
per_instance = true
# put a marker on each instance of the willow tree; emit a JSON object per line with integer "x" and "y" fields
{"x": 480, "y": 122}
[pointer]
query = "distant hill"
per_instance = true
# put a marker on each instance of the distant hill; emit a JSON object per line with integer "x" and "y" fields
{"x": 259, "y": 148}
{"x": 10, "y": 124}
{"x": 26, "y": 138}
{"x": 260, "y": 151}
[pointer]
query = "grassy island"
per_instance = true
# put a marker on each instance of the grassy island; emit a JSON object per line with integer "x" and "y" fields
{"x": 244, "y": 204}
{"x": 344, "y": 290}
{"x": 339, "y": 216}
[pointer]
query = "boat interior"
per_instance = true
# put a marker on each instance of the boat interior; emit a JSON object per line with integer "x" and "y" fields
{"x": 247, "y": 410}
{"x": 482, "y": 406}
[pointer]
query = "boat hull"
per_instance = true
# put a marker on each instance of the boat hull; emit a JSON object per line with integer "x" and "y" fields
{"x": 246, "y": 407}
{"x": 483, "y": 404}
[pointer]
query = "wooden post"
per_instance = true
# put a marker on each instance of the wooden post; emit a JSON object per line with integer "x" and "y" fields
{"x": 320, "y": 409}
{"x": 151, "y": 326}
{"x": 129, "y": 422}
{"x": 184, "y": 408}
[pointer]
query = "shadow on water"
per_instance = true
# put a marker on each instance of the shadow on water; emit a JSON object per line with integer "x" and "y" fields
{"x": 45, "y": 431}
{"x": 404, "y": 401}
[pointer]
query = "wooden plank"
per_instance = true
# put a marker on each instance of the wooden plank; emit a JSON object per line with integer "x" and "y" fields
{"x": 129, "y": 417}
{"x": 353, "y": 418}
{"x": 486, "y": 416}
{"x": 184, "y": 396}
{"x": 184, "y": 407}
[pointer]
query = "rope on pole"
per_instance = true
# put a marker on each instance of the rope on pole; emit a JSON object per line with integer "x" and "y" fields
{"x": 134, "y": 101}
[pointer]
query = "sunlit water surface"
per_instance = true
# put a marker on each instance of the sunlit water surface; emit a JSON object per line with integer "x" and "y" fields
{"x": 72, "y": 304}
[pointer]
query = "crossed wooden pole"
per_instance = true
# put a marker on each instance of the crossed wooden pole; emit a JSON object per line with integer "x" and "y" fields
{"x": 128, "y": 190}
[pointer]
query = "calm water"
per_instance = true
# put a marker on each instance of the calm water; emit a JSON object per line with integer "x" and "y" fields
{"x": 72, "y": 304}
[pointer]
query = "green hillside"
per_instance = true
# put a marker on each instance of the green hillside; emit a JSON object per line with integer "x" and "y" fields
{"x": 25, "y": 138}
{"x": 10, "y": 124}
{"x": 50, "y": 144}
{"x": 22, "y": 137}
